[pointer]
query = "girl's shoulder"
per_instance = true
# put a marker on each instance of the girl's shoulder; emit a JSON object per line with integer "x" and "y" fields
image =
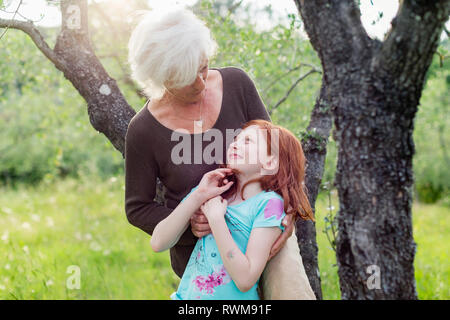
{"x": 273, "y": 194}
{"x": 269, "y": 210}
{"x": 267, "y": 200}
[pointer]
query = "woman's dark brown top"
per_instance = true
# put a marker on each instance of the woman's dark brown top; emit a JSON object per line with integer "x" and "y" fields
{"x": 148, "y": 148}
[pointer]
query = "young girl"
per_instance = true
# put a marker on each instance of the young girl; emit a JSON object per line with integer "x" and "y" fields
{"x": 244, "y": 202}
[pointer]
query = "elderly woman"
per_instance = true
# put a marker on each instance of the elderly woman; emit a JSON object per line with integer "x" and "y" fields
{"x": 169, "y": 56}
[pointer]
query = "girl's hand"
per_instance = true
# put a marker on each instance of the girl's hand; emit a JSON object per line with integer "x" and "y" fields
{"x": 211, "y": 184}
{"x": 214, "y": 208}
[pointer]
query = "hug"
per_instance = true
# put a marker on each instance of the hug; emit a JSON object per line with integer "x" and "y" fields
{"x": 222, "y": 221}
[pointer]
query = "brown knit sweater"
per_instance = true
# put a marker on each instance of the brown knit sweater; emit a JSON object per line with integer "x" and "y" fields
{"x": 148, "y": 148}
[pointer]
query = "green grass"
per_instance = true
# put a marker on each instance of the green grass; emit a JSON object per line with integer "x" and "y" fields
{"x": 46, "y": 229}
{"x": 431, "y": 231}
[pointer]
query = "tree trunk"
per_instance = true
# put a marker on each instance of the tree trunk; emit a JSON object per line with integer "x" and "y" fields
{"x": 314, "y": 145}
{"x": 375, "y": 90}
{"x": 108, "y": 110}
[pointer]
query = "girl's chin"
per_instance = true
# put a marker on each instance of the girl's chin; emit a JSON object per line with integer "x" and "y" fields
{"x": 231, "y": 165}
{"x": 234, "y": 165}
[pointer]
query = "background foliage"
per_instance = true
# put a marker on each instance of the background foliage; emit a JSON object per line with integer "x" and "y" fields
{"x": 47, "y": 142}
{"x": 44, "y": 118}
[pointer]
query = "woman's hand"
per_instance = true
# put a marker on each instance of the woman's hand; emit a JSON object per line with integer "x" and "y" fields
{"x": 214, "y": 208}
{"x": 199, "y": 224}
{"x": 211, "y": 184}
{"x": 288, "y": 223}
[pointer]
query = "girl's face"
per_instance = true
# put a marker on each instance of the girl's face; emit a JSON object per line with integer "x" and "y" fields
{"x": 248, "y": 151}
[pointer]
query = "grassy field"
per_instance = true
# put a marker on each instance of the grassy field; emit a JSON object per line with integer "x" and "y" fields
{"x": 47, "y": 229}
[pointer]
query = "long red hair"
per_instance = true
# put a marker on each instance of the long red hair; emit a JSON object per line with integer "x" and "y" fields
{"x": 289, "y": 181}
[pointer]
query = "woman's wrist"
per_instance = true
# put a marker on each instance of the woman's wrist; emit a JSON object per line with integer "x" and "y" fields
{"x": 198, "y": 197}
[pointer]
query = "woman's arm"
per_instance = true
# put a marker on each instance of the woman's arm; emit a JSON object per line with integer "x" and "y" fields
{"x": 141, "y": 172}
{"x": 244, "y": 269}
{"x": 140, "y": 186}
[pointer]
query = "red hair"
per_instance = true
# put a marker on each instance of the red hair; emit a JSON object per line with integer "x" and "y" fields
{"x": 289, "y": 181}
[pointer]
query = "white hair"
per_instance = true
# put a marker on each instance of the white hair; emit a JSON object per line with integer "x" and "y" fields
{"x": 168, "y": 48}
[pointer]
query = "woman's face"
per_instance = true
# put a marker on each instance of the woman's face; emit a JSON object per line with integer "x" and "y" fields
{"x": 248, "y": 151}
{"x": 193, "y": 93}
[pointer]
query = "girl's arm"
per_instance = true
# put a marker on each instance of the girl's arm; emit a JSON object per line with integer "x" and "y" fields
{"x": 169, "y": 230}
{"x": 244, "y": 269}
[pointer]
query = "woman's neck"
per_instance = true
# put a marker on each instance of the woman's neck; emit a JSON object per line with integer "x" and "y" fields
{"x": 170, "y": 99}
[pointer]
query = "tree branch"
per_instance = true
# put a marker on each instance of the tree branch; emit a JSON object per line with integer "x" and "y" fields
{"x": 233, "y": 7}
{"x": 14, "y": 15}
{"x": 315, "y": 150}
{"x": 288, "y": 72}
{"x": 31, "y": 30}
{"x": 22, "y": 16}
{"x": 335, "y": 30}
{"x": 109, "y": 24}
{"x": 292, "y": 88}
{"x": 410, "y": 44}
{"x": 446, "y": 31}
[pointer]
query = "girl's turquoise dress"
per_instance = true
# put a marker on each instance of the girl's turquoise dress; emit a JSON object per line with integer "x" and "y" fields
{"x": 205, "y": 276}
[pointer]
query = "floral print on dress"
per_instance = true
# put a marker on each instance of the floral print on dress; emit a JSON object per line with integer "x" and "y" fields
{"x": 207, "y": 284}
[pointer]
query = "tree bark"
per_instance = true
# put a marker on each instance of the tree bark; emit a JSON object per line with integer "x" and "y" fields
{"x": 108, "y": 110}
{"x": 314, "y": 145}
{"x": 375, "y": 89}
